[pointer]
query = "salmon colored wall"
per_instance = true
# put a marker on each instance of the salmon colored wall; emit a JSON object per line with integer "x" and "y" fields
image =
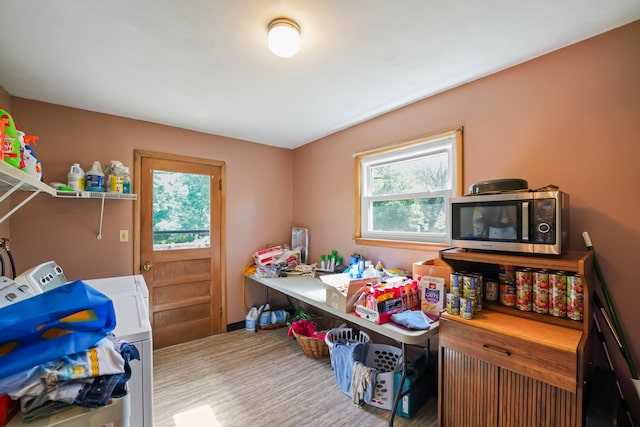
{"x": 569, "y": 118}
{"x": 259, "y": 198}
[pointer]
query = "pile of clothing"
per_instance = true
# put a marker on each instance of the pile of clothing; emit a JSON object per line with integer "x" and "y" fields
{"x": 57, "y": 350}
{"x": 354, "y": 378}
{"x": 89, "y": 379}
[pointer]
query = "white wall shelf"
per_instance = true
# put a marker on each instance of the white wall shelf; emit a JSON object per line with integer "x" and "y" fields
{"x": 95, "y": 195}
{"x": 13, "y": 179}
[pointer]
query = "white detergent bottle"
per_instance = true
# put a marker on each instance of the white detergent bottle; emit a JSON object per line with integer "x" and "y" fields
{"x": 250, "y": 322}
{"x": 76, "y": 178}
{"x": 95, "y": 178}
{"x": 265, "y": 315}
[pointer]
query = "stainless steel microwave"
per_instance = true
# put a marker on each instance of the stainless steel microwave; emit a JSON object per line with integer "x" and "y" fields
{"x": 532, "y": 222}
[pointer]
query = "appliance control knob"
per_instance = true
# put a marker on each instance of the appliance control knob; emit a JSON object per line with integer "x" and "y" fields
{"x": 544, "y": 227}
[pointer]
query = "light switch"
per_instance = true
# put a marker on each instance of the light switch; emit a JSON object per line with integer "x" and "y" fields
{"x": 124, "y": 235}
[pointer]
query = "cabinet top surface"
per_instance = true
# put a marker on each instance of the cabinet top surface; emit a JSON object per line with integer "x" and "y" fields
{"x": 558, "y": 337}
{"x": 569, "y": 261}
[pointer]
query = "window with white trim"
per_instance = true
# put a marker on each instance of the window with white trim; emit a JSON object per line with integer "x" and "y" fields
{"x": 403, "y": 191}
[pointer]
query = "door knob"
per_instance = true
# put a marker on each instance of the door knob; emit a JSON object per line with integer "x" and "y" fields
{"x": 147, "y": 266}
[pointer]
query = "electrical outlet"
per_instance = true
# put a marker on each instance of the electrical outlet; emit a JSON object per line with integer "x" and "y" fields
{"x": 124, "y": 235}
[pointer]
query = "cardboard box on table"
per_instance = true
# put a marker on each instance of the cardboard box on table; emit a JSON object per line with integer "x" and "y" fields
{"x": 343, "y": 291}
{"x": 432, "y": 267}
{"x": 434, "y": 277}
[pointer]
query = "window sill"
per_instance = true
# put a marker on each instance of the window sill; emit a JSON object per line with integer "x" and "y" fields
{"x": 401, "y": 244}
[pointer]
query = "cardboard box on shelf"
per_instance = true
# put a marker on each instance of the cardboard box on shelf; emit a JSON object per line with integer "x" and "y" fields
{"x": 433, "y": 268}
{"x": 343, "y": 292}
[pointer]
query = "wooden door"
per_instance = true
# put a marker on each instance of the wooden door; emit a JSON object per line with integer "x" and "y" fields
{"x": 185, "y": 279}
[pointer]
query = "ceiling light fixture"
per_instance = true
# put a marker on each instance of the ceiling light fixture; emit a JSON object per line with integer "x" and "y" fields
{"x": 284, "y": 37}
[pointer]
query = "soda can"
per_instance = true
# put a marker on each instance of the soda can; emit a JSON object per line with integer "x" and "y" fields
{"x": 508, "y": 294}
{"x": 575, "y": 297}
{"x": 507, "y": 273}
{"x": 491, "y": 290}
{"x": 467, "y": 307}
{"x": 524, "y": 289}
{"x": 455, "y": 283}
{"x": 453, "y": 303}
{"x": 558, "y": 294}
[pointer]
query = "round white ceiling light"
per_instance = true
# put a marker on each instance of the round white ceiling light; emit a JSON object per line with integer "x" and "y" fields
{"x": 284, "y": 37}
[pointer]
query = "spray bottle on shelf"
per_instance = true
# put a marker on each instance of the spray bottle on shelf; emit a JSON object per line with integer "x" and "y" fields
{"x": 113, "y": 174}
{"x": 126, "y": 180}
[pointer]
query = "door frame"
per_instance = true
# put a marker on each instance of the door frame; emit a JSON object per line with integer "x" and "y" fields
{"x": 137, "y": 183}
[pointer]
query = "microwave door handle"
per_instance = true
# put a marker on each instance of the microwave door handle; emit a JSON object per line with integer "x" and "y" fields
{"x": 525, "y": 221}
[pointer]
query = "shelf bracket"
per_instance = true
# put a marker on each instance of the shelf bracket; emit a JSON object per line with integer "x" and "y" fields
{"x": 99, "y": 236}
{"x": 19, "y": 205}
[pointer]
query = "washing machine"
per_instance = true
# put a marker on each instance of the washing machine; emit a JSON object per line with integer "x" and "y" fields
{"x": 130, "y": 297}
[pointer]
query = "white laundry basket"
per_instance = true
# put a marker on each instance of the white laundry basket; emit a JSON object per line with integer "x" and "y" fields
{"x": 387, "y": 359}
{"x": 344, "y": 336}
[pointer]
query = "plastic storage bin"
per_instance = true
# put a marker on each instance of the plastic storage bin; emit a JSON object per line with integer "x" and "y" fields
{"x": 387, "y": 359}
{"x": 416, "y": 386}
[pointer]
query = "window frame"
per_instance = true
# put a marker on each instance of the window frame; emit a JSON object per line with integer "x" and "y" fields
{"x": 401, "y": 151}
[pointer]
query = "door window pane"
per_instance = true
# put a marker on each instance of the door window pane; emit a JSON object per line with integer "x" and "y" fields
{"x": 181, "y": 210}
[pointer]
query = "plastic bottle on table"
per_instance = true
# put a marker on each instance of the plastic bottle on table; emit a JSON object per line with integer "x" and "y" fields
{"x": 370, "y": 270}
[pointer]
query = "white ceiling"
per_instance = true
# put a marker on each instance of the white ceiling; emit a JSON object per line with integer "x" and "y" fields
{"x": 204, "y": 64}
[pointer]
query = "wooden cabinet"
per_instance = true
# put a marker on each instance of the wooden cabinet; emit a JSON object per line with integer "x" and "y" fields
{"x": 506, "y": 367}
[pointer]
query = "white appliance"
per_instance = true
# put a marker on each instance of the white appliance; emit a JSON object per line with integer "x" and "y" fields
{"x": 130, "y": 298}
{"x": 43, "y": 277}
{"x": 12, "y": 292}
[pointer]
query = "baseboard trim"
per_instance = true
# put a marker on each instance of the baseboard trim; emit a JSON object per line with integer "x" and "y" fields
{"x": 235, "y": 326}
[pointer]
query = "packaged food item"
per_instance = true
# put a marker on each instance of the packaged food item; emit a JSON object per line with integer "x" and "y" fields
{"x": 432, "y": 295}
{"x": 379, "y": 303}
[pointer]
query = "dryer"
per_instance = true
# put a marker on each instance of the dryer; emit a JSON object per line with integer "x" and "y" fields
{"x": 130, "y": 297}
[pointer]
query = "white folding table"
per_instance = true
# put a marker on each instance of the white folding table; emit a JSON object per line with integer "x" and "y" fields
{"x": 312, "y": 291}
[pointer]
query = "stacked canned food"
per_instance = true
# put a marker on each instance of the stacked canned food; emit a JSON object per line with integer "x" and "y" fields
{"x": 465, "y": 296}
{"x": 541, "y": 291}
{"x": 507, "y": 277}
{"x": 575, "y": 297}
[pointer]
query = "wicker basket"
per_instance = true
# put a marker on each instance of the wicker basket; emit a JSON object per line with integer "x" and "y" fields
{"x": 316, "y": 348}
